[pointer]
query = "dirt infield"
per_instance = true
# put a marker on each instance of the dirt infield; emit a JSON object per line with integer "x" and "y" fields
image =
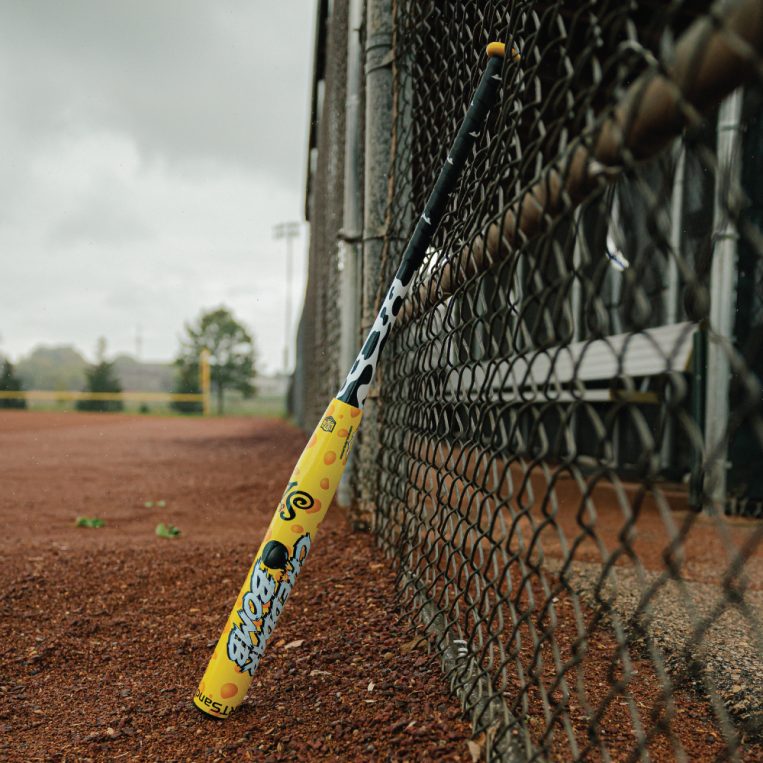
{"x": 105, "y": 632}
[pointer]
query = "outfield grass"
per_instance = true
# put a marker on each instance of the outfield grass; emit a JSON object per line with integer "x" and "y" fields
{"x": 261, "y": 406}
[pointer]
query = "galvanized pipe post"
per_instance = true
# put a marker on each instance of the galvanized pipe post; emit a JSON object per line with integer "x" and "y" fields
{"x": 722, "y": 299}
{"x": 378, "y": 135}
{"x": 351, "y": 234}
{"x": 671, "y": 294}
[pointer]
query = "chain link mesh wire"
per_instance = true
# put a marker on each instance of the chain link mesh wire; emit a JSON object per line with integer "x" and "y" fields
{"x": 549, "y": 483}
{"x": 569, "y": 471}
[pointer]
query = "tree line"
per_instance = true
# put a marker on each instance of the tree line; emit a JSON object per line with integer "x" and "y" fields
{"x": 231, "y": 355}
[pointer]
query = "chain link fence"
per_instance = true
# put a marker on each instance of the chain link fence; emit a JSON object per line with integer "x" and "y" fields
{"x": 565, "y": 460}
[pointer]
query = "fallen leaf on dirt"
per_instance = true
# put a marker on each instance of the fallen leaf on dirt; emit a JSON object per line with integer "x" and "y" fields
{"x": 319, "y": 673}
{"x": 411, "y": 645}
{"x": 167, "y": 531}
{"x": 371, "y": 686}
{"x": 295, "y": 644}
{"x": 280, "y": 642}
{"x": 89, "y": 522}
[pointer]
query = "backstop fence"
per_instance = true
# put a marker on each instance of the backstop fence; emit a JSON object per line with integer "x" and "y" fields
{"x": 563, "y": 453}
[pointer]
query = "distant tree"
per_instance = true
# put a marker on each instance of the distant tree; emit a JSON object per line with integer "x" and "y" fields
{"x": 231, "y": 353}
{"x": 9, "y": 382}
{"x": 101, "y": 377}
{"x": 54, "y": 368}
{"x": 187, "y": 381}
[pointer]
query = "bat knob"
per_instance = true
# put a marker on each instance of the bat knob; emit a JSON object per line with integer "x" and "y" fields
{"x": 498, "y": 50}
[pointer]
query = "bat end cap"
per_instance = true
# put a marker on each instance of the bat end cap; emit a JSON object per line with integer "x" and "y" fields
{"x": 498, "y": 50}
{"x": 208, "y": 712}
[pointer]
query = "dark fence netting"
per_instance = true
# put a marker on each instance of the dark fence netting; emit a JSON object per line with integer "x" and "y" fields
{"x": 567, "y": 461}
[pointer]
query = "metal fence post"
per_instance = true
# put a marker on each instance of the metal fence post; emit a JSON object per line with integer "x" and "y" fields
{"x": 722, "y": 300}
{"x": 350, "y": 236}
{"x": 377, "y": 162}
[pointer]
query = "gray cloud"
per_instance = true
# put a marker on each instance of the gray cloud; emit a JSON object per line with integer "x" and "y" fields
{"x": 102, "y": 218}
{"x": 190, "y": 80}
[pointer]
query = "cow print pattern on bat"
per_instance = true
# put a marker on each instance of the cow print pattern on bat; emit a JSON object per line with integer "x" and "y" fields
{"x": 358, "y": 382}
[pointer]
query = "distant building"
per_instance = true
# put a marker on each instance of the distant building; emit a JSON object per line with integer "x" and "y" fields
{"x": 272, "y": 386}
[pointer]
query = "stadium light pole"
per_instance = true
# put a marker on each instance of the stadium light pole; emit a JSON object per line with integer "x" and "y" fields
{"x": 288, "y": 231}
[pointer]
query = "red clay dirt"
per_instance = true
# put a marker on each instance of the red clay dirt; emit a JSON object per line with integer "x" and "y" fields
{"x": 106, "y": 632}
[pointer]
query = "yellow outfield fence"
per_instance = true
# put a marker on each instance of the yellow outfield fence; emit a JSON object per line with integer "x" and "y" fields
{"x": 61, "y": 396}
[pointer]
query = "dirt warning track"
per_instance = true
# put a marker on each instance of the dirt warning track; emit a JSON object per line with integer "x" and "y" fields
{"x": 105, "y": 633}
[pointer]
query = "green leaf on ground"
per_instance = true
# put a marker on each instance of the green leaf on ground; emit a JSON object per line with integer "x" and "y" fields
{"x": 161, "y": 504}
{"x": 89, "y": 522}
{"x": 167, "y": 531}
{"x": 148, "y": 504}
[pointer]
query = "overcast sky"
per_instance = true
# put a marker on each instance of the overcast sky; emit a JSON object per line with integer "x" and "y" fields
{"x": 147, "y": 149}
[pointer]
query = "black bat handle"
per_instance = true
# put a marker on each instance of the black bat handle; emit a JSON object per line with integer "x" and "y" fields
{"x": 358, "y": 382}
{"x": 484, "y": 99}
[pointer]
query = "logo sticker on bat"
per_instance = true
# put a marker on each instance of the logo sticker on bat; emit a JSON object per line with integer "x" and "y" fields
{"x": 295, "y": 499}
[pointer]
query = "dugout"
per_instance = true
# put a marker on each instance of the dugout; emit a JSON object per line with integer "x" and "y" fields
{"x": 595, "y": 348}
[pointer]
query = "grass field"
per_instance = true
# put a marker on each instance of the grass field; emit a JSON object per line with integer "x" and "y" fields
{"x": 264, "y": 406}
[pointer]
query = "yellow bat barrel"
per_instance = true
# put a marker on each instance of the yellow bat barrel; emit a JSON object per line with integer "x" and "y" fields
{"x": 278, "y": 562}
